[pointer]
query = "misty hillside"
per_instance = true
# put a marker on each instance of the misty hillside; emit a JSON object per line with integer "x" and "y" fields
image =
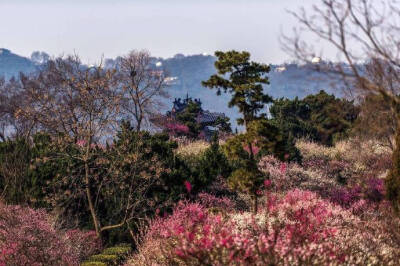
{"x": 11, "y": 64}
{"x": 185, "y": 76}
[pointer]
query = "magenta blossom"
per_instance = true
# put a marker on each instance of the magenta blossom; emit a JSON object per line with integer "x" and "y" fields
{"x": 267, "y": 183}
{"x": 81, "y": 143}
{"x": 254, "y": 148}
{"x": 283, "y": 168}
{"x": 188, "y": 186}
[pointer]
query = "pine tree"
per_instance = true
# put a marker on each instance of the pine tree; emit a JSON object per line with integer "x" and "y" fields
{"x": 245, "y": 83}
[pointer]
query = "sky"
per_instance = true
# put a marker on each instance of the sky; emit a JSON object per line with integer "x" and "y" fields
{"x": 96, "y": 28}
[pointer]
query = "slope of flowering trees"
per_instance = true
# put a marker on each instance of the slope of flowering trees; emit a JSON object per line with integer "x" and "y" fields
{"x": 181, "y": 203}
{"x": 306, "y": 217}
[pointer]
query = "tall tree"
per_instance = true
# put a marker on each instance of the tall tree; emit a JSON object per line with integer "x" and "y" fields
{"x": 79, "y": 104}
{"x": 245, "y": 83}
{"x": 142, "y": 86}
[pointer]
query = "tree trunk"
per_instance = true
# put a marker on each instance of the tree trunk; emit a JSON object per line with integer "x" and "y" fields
{"x": 255, "y": 204}
{"x": 392, "y": 181}
{"x": 90, "y": 201}
{"x": 139, "y": 124}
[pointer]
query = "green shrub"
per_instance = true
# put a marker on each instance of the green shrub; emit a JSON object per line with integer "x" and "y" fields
{"x": 108, "y": 259}
{"x": 120, "y": 251}
{"x": 210, "y": 165}
{"x": 93, "y": 263}
{"x": 110, "y": 256}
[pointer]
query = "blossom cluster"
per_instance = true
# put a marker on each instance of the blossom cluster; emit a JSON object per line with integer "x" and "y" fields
{"x": 176, "y": 129}
{"x": 28, "y": 237}
{"x": 297, "y": 228}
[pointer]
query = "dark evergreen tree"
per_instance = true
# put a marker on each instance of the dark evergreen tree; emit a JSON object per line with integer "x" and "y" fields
{"x": 320, "y": 117}
{"x": 213, "y": 163}
{"x": 188, "y": 117}
{"x": 245, "y": 82}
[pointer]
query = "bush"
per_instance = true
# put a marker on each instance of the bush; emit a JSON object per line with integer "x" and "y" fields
{"x": 107, "y": 259}
{"x": 93, "y": 263}
{"x": 298, "y": 228}
{"x": 28, "y": 237}
{"x": 83, "y": 244}
{"x": 212, "y": 164}
{"x": 110, "y": 256}
{"x": 121, "y": 251}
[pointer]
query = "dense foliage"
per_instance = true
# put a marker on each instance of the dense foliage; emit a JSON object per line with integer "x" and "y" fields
{"x": 320, "y": 117}
{"x": 245, "y": 83}
{"x": 188, "y": 117}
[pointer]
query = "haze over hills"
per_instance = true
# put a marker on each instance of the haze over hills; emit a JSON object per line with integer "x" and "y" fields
{"x": 185, "y": 76}
{"x": 11, "y": 64}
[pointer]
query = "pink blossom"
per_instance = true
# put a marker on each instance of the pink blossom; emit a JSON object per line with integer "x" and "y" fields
{"x": 254, "y": 148}
{"x": 283, "y": 168}
{"x": 81, "y": 143}
{"x": 267, "y": 183}
{"x": 299, "y": 226}
{"x": 177, "y": 129}
{"x": 188, "y": 186}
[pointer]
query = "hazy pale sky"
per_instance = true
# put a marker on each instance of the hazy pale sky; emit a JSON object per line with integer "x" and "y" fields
{"x": 92, "y": 28}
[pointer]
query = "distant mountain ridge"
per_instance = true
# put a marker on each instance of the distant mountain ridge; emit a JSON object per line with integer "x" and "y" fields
{"x": 186, "y": 73}
{"x": 11, "y": 64}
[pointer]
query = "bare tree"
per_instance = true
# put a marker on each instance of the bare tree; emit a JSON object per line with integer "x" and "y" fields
{"x": 142, "y": 86}
{"x": 366, "y": 35}
{"x": 79, "y": 103}
{"x": 376, "y": 121}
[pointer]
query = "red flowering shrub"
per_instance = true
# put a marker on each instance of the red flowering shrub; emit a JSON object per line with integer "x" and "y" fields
{"x": 27, "y": 237}
{"x": 176, "y": 129}
{"x": 299, "y": 228}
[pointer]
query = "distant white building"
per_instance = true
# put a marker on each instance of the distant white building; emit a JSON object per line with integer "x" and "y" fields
{"x": 316, "y": 60}
{"x": 280, "y": 69}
